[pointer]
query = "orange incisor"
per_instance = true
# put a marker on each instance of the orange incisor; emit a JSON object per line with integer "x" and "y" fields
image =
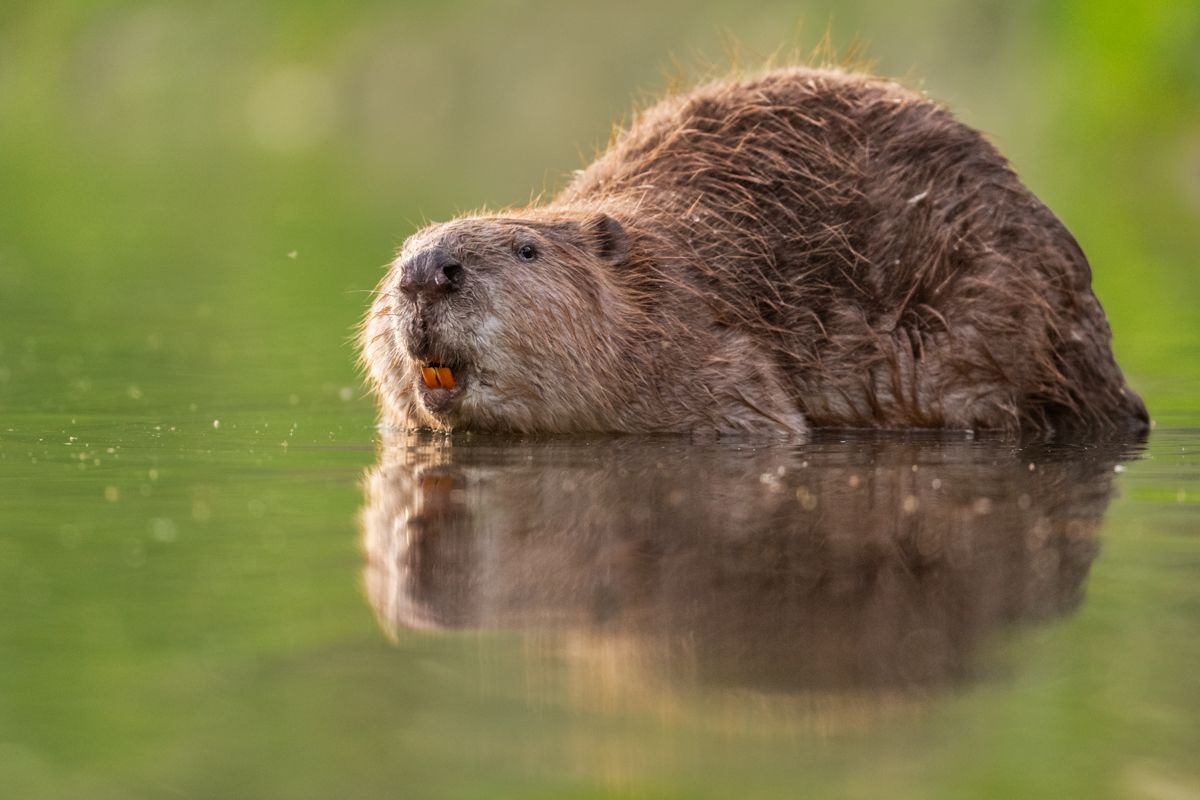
{"x": 438, "y": 377}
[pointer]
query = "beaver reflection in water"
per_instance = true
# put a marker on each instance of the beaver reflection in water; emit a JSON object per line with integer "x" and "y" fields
{"x": 872, "y": 563}
{"x": 805, "y": 248}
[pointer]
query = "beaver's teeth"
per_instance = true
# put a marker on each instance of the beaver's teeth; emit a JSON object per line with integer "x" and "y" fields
{"x": 431, "y": 377}
{"x": 446, "y": 377}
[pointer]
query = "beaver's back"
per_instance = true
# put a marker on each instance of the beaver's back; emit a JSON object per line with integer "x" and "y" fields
{"x": 883, "y": 251}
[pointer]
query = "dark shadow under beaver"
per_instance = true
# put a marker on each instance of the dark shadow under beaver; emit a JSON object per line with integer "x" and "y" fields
{"x": 881, "y": 563}
{"x": 805, "y": 248}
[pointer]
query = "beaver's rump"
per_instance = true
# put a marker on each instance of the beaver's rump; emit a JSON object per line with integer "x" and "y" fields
{"x": 885, "y": 252}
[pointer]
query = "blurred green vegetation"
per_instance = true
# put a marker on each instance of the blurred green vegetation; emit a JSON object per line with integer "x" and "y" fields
{"x": 233, "y": 165}
{"x": 194, "y": 199}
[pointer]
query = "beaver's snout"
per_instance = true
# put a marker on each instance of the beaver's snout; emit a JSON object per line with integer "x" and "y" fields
{"x": 430, "y": 274}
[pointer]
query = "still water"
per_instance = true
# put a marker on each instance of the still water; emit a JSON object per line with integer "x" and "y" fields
{"x": 289, "y": 603}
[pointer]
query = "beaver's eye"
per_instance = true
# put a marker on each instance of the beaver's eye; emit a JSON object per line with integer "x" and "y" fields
{"x": 527, "y": 252}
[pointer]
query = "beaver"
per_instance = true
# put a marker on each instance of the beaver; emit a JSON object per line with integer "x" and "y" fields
{"x": 808, "y": 247}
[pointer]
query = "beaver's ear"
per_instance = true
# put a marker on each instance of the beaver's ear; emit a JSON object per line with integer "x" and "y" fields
{"x": 606, "y": 237}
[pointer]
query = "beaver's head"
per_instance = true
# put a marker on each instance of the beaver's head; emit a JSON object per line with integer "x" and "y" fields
{"x": 502, "y": 323}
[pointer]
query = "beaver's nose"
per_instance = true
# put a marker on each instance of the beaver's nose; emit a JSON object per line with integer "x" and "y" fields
{"x": 430, "y": 273}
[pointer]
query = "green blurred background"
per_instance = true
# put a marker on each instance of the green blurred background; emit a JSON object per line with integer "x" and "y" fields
{"x": 169, "y": 168}
{"x": 195, "y": 198}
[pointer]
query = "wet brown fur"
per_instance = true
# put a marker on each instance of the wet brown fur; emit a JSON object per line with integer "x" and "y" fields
{"x": 806, "y": 247}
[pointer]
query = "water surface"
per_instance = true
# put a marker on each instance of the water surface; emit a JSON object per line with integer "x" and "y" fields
{"x": 246, "y": 607}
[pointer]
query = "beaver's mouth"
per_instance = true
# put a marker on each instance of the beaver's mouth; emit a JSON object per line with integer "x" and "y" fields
{"x": 440, "y": 383}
